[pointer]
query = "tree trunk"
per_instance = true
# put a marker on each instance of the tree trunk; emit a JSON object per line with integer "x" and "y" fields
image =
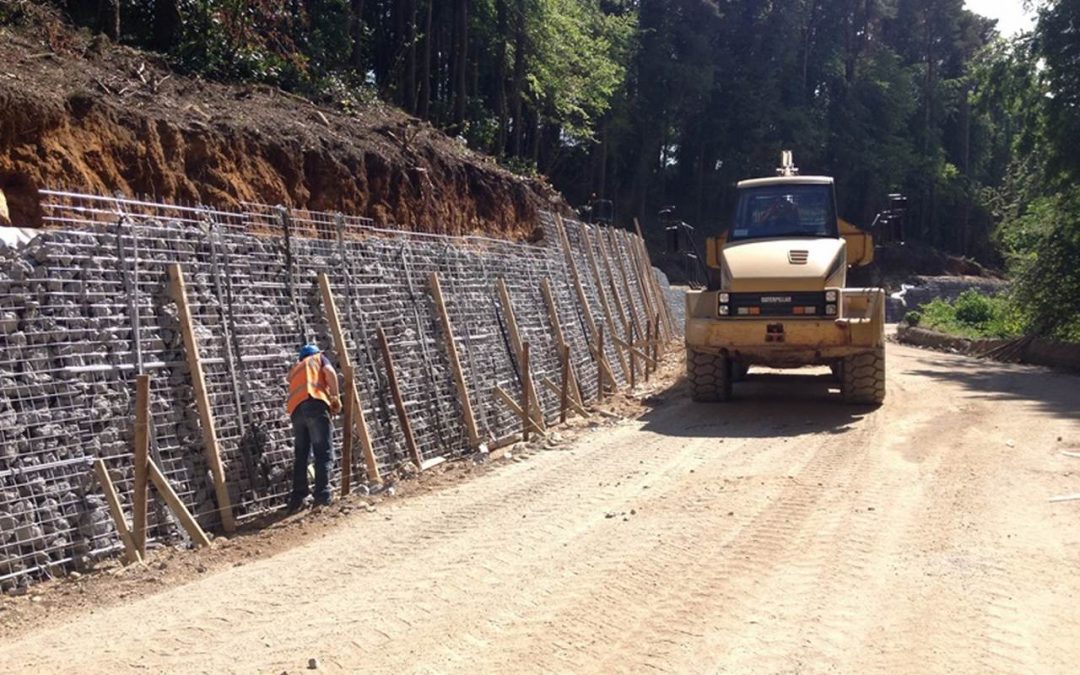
{"x": 424, "y": 105}
{"x": 409, "y": 99}
{"x": 356, "y": 34}
{"x": 461, "y": 52}
{"x": 109, "y": 19}
{"x": 518, "y": 91}
{"x": 167, "y": 22}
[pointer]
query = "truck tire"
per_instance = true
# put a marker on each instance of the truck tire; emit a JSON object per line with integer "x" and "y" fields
{"x": 709, "y": 376}
{"x": 863, "y": 377}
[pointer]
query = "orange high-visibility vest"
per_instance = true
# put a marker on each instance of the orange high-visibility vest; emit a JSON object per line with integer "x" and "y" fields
{"x": 306, "y": 381}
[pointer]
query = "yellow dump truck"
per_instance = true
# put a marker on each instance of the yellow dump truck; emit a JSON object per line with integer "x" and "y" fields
{"x": 777, "y": 293}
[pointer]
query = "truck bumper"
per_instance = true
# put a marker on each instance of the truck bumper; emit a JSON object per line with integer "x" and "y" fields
{"x": 791, "y": 342}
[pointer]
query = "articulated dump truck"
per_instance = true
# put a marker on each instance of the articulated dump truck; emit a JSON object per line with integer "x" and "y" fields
{"x": 777, "y": 294}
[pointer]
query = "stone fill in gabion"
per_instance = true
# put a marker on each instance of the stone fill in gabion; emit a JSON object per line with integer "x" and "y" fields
{"x": 87, "y": 305}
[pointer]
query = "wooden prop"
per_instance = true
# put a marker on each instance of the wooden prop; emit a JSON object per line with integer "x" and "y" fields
{"x": 455, "y": 363}
{"x": 636, "y": 350}
{"x": 131, "y": 552}
{"x": 658, "y": 294}
{"x": 564, "y": 398}
{"x": 348, "y": 411}
{"x": 601, "y": 360}
{"x": 179, "y": 510}
{"x": 356, "y": 418}
{"x": 506, "y": 398}
{"x": 648, "y": 280}
{"x": 629, "y": 245}
{"x": 525, "y": 421}
{"x": 399, "y": 402}
{"x": 609, "y": 318}
{"x": 202, "y": 400}
{"x": 142, "y": 455}
{"x": 557, "y": 391}
{"x": 571, "y": 264}
{"x": 606, "y": 243}
{"x": 560, "y": 337}
{"x": 656, "y": 343}
{"x": 632, "y": 348}
{"x": 516, "y": 345}
{"x": 649, "y": 347}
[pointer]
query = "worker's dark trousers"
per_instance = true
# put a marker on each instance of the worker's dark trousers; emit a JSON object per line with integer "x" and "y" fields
{"x": 312, "y": 432}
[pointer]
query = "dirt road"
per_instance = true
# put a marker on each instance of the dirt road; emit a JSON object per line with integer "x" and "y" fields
{"x": 781, "y": 533}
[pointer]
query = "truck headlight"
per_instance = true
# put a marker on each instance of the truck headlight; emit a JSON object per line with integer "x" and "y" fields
{"x": 830, "y": 310}
{"x": 830, "y": 296}
{"x": 723, "y": 298}
{"x": 723, "y": 310}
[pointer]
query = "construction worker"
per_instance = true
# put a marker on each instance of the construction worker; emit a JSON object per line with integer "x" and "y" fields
{"x": 313, "y": 397}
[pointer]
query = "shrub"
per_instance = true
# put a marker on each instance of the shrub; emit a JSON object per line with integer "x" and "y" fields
{"x": 913, "y": 318}
{"x": 974, "y": 309}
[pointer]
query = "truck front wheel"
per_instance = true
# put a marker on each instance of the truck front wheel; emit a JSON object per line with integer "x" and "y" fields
{"x": 863, "y": 377}
{"x": 709, "y": 376}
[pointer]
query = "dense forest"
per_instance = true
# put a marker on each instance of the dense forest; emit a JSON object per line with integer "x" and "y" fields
{"x": 650, "y": 103}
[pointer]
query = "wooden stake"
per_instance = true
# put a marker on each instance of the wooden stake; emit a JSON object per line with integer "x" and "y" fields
{"x": 637, "y": 351}
{"x": 560, "y": 337}
{"x": 526, "y": 423}
{"x": 648, "y": 346}
{"x": 516, "y": 345}
{"x": 629, "y": 245}
{"x": 606, "y": 243}
{"x": 202, "y": 399}
{"x": 564, "y": 399}
{"x": 347, "y": 425}
{"x": 131, "y": 551}
{"x": 506, "y": 398}
{"x": 656, "y": 343}
{"x": 633, "y": 359}
{"x": 601, "y": 361}
{"x": 603, "y": 298}
{"x": 179, "y": 510}
{"x": 455, "y": 363}
{"x": 571, "y": 264}
{"x": 648, "y": 279}
{"x": 557, "y": 391}
{"x": 357, "y": 419}
{"x": 142, "y": 454}
{"x": 399, "y": 402}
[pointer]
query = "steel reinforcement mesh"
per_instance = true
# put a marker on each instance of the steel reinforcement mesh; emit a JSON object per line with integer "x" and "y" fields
{"x": 88, "y": 304}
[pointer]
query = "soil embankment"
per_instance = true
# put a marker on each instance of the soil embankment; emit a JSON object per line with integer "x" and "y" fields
{"x": 80, "y": 113}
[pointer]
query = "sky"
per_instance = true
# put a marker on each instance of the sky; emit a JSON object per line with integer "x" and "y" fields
{"x": 1010, "y": 14}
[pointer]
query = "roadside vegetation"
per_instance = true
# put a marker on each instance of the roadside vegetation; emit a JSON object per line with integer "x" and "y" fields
{"x": 971, "y": 315}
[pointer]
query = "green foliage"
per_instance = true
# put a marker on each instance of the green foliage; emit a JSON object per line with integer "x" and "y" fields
{"x": 971, "y": 315}
{"x": 1048, "y": 272}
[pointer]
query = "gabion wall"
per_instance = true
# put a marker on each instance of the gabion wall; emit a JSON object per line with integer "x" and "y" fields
{"x": 86, "y": 306}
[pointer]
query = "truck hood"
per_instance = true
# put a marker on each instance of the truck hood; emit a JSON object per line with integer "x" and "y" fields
{"x": 788, "y": 264}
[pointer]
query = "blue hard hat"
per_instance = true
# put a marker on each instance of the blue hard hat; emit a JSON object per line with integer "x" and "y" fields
{"x": 309, "y": 350}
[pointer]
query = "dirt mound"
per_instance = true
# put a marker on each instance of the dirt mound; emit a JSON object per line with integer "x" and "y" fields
{"x": 898, "y": 263}
{"x": 77, "y": 112}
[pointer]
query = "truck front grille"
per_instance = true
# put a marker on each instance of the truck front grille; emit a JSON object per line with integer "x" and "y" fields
{"x": 802, "y": 304}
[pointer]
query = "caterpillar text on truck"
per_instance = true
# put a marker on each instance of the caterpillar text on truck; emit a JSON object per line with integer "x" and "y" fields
{"x": 777, "y": 293}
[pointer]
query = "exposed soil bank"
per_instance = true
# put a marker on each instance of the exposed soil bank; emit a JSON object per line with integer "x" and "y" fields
{"x": 77, "y": 113}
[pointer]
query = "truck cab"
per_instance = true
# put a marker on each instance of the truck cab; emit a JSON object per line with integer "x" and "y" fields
{"x": 777, "y": 294}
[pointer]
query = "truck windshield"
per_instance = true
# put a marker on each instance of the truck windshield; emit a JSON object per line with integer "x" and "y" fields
{"x": 785, "y": 211}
